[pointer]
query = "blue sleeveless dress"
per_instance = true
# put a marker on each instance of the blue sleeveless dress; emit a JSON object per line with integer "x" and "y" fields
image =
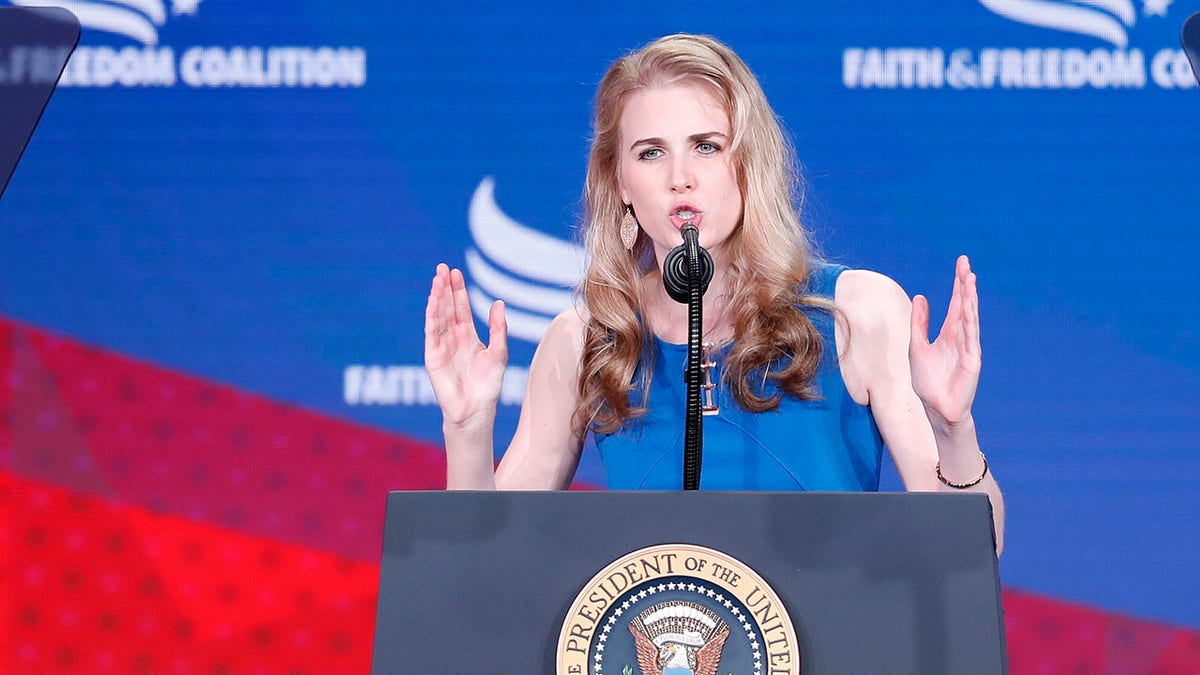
{"x": 830, "y": 444}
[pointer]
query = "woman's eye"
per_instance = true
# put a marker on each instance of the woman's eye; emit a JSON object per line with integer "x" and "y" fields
{"x": 650, "y": 153}
{"x": 708, "y": 148}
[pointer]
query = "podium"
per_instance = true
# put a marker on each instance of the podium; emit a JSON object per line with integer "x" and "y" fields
{"x": 514, "y": 582}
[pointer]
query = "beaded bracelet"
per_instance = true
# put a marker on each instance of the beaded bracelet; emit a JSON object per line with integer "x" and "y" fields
{"x": 963, "y": 486}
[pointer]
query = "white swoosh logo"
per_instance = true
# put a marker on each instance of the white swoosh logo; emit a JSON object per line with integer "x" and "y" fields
{"x": 530, "y": 271}
{"x": 1107, "y": 22}
{"x": 135, "y": 19}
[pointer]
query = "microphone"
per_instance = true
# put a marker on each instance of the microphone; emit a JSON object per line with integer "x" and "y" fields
{"x": 1191, "y": 43}
{"x": 675, "y": 266}
{"x": 687, "y": 270}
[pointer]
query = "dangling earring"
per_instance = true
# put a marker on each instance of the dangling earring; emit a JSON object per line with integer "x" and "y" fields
{"x": 629, "y": 228}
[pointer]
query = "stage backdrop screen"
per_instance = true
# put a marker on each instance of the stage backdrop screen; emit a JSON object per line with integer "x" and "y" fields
{"x": 217, "y": 250}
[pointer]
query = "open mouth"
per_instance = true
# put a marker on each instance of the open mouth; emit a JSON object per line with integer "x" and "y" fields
{"x": 685, "y": 214}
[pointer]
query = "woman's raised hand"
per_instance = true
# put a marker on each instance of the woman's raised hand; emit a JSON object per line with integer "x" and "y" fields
{"x": 945, "y": 374}
{"x": 466, "y": 374}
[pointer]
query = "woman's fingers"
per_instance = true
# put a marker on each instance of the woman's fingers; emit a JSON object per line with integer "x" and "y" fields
{"x": 498, "y": 332}
{"x": 439, "y": 334}
{"x": 951, "y": 326}
{"x": 461, "y": 305}
{"x": 449, "y": 321}
{"x": 451, "y": 324}
{"x": 466, "y": 375}
{"x": 946, "y": 372}
{"x": 971, "y": 340}
{"x": 919, "y": 324}
{"x": 962, "y": 318}
{"x": 431, "y": 317}
{"x": 963, "y": 266}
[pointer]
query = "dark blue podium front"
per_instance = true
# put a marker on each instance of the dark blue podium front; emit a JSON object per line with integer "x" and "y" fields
{"x": 475, "y": 582}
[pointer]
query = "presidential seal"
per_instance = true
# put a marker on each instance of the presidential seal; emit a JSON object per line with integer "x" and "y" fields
{"x": 677, "y": 609}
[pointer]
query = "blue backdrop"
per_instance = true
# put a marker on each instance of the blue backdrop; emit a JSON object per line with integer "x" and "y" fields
{"x": 257, "y": 193}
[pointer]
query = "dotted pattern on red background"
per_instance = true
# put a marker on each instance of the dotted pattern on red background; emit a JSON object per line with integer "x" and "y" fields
{"x": 1051, "y": 636}
{"x": 94, "y": 587}
{"x": 156, "y": 522}
{"x": 7, "y": 375}
{"x": 110, "y": 426}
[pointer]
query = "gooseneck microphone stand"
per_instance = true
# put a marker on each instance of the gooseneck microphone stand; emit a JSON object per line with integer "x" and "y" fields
{"x": 687, "y": 270}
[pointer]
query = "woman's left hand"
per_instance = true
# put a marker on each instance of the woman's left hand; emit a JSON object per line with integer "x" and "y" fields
{"x": 945, "y": 373}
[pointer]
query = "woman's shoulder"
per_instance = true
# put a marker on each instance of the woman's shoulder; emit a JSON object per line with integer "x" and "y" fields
{"x": 829, "y": 279}
{"x": 573, "y": 319}
{"x": 867, "y": 287}
{"x": 873, "y": 304}
{"x": 873, "y": 315}
{"x": 567, "y": 330}
{"x": 843, "y": 283}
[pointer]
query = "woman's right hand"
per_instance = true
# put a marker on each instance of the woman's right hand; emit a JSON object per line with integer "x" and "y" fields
{"x": 466, "y": 374}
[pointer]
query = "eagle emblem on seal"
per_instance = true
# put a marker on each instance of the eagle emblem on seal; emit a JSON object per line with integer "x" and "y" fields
{"x": 678, "y": 638}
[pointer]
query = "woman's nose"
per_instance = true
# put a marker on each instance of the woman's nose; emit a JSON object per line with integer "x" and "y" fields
{"x": 682, "y": 176}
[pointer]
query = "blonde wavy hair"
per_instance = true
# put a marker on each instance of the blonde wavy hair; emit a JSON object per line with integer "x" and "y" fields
{"x": 768, "y": 255}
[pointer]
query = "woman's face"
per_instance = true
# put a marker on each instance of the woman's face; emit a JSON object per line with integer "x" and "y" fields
{"x": 675, "y": 166}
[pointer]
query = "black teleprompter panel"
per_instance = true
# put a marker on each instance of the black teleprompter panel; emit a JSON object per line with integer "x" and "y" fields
{"x": 35, "y": 43}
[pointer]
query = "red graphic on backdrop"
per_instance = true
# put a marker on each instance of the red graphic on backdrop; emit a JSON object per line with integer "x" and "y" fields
{"x": 152, "y": 521}
{"x": 106, "y": 425}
